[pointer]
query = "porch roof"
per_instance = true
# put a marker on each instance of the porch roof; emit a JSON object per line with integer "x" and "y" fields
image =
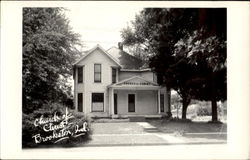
{"x": 135, "y": 87}
{"x": 135, "y": 83}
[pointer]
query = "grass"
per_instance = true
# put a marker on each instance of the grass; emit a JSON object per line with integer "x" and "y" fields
{"x": 117, "y": 128}
{"x": 187, "y": 127}
{"x": 171, "y": 131}
{"x": 193, "y": 132}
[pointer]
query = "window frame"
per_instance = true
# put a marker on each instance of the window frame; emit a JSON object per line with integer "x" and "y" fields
{"x": 114, "y": 75}
{"x": 98, "y": 81}
{"x": 80, "y": 68}
{"x": 92, "y": 110}
{"x": 129, "y": 111}
{"x": 154, "y": 77}
{"x": 80, "y": 108}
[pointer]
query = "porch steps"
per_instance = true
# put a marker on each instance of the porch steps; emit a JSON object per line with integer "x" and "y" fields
{"x": 148, "y": 127}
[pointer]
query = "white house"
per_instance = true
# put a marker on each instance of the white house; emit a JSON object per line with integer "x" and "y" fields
{"x": 114, "y": 84}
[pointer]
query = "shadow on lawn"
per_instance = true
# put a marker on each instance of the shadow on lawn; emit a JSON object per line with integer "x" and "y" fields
{"x": 192, "y": 131}
{"x": 168, "y": 126}
{"x": 219, "y": 136}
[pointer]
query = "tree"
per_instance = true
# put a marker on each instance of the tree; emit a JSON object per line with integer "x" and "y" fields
{"x": 210, "y": 58}
{"x": 186, "y": 48}
{"x": 206, "y": 48}
{"x": 157, "y": 30}
{"x": 49, "y": 49}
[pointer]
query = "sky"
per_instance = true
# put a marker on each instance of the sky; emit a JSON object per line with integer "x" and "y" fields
{"x": 100, "y": 24}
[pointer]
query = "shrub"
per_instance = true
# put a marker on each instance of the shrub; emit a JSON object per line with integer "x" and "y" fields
{"x": 192, "y": 109}
{"x": 29, "y": 129}
{"x": 205, "y": 108}
{"x": 204, "y": 111}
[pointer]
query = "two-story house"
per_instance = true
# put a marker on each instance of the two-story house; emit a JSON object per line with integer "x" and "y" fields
{"x": 114, "y": 83}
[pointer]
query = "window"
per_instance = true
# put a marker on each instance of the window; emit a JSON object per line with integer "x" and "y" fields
{"x": 131, "y": 103}
{"x": 113, "y": 75}
{"x": 80, "y": 75}
{"x": 97, "y": 73}
{"x": 97, "y": 102}
{"x": 79, "y": 102}
{"x": 162, "y": 102}
{"x": 154, "y": 77}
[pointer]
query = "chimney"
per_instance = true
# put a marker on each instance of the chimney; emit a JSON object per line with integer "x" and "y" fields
{"x": 120, "y": 46}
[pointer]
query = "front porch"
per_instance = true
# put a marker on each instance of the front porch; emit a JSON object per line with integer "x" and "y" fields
{"x": 137, "y": 97}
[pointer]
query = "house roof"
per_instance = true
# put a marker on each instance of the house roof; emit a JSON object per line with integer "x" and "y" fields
{"x": 126, "y": 60}
{"x": 93, "y": 49}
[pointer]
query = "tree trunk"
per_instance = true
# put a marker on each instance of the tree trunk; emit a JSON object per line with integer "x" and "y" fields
{"x": 169, "y": 113}
{"x": 214, "y": 110}
{"x": 184, "y": 111}
{"x": 213, "y": 100}
{"x": 185, "y": 103}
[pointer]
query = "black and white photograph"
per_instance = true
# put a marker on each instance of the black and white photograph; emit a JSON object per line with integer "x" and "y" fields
{"x": 102, "y": 77}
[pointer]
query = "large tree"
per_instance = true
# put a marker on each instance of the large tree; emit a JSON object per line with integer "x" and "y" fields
{"x": 169, "y": 37}
{"x": 206, "y": 48}
{"x": 157, "y": 30}
{"x": 49, "y": 49}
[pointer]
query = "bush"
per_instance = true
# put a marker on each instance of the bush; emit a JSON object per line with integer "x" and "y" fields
{"x": 60, "y": 127}
{"x": 192, "y": 109}
{"x": 205, "y": 108}
{"x": 204, "y": 111}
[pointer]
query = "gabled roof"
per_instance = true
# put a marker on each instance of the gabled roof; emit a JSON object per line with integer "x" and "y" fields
{"x": 137, "y": 70}
{"x": 126, "y": 60}
{"x": 135, "y": 81}
{"x": 93, "y": 49}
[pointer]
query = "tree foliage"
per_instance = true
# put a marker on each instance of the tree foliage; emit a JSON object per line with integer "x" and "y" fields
{"x": 206, "y": 48}
{"x": 49, "y": 49}
{"x": 185, "y": 47}
{"x": 158, "y": 30}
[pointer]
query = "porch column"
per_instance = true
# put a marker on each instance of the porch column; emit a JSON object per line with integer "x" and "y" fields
{"x": 112, "y": 101}
{"x": 159, "y": 105}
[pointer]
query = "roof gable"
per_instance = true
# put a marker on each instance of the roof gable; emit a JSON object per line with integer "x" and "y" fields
{"x": 136, "y": 80}
{"x": 92, "y": 50}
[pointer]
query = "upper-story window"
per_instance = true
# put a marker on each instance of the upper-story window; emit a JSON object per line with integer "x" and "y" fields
{"x": 80, "y": 75}
{"x": 113, "y": 75}
{"x": 97, "y": 72}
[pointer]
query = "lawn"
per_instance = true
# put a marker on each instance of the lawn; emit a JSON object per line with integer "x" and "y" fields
{"x": 193, "y": 132}
{"x": 160, "y": 131}
{"x": 117, "y": 128}
{"x": 167, "y": 126}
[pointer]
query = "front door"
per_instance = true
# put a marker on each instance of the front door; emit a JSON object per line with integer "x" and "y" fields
{"x": 115, "y": 103}
{"x": 131, "y": 103}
